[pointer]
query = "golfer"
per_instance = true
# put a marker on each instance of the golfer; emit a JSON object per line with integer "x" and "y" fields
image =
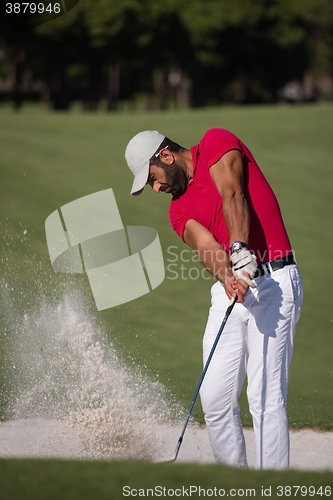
{"x": 223, "y": 207}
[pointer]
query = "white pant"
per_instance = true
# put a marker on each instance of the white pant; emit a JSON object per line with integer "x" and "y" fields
{"x": 257, "y": 341}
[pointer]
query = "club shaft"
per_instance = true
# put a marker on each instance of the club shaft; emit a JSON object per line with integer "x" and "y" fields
{"x": 227, "y": 314}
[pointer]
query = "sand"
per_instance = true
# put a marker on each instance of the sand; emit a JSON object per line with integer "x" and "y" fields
{"x": 32, "y": 438}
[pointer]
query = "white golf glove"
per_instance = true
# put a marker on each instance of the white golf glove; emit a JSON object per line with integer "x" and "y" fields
{"x": 244, "y": 262}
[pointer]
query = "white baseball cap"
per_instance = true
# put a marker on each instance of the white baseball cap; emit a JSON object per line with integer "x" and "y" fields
{"x": 138, "y": 152}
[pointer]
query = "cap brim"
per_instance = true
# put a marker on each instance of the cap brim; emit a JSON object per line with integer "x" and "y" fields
{"x": 140, "y": 180}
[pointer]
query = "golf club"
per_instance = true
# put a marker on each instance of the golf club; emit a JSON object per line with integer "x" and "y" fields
{"x": 180, "y": 440}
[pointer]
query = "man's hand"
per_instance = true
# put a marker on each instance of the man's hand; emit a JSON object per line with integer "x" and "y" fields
{"x": 244, "y": 266}
{"x": 235, "y": 287}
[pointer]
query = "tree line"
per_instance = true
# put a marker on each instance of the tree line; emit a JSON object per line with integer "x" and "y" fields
{"x": 174, "y": 53}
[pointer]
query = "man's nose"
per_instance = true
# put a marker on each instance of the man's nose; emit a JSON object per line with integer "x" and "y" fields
{"x": 156, "y": 187}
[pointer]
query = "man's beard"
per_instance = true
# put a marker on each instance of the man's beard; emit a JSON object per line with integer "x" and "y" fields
{"x": 176, "y": 180}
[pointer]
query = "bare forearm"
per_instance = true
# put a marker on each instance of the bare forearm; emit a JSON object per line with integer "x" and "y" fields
{"x": 227, "y": 175}
{"x": 237, "y": 217}
{"x": 216, "y": 261}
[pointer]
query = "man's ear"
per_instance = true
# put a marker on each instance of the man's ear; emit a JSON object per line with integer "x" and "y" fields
{"x": 166, "y": 156}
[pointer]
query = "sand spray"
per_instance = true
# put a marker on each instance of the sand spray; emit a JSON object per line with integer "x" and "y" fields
{"x": 61, "y": 372}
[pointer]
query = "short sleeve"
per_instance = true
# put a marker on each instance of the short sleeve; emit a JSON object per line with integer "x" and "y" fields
{"x": 178, "y": 219}
{"x": 216, "y": 142}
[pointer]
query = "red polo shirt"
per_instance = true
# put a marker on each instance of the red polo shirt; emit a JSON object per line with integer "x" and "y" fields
{"x": 202, "y": 202}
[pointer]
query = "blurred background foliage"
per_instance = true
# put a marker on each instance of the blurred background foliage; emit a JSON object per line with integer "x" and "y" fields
{"x": 143, "y": 54}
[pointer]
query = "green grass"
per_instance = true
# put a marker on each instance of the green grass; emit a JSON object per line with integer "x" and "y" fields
{"x": 65, "y": 480}
{"x": 50, "y": 159}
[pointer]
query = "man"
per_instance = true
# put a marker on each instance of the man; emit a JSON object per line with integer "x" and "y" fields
{"x": 224, "y": 208}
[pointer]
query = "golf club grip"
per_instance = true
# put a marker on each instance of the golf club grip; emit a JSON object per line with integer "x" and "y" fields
{"x": 231, "y": 305}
